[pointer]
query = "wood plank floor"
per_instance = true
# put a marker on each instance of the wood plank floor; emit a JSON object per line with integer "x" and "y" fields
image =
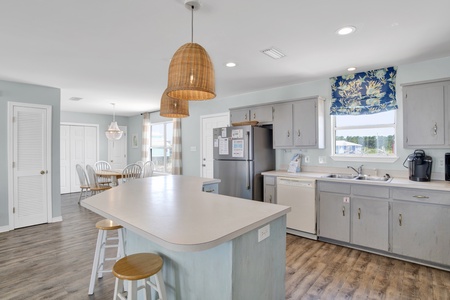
{"x": 54, "y": 261}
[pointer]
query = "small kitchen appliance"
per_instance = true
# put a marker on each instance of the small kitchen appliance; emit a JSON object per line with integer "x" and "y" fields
{"x": 447, "y": 166}
{"x": 419, "y": 165}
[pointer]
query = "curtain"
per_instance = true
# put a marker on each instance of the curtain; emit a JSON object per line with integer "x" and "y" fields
{"x": 145, "y": 151}
{"x": 364, "y": 93}
{"x": 176, "y": 148}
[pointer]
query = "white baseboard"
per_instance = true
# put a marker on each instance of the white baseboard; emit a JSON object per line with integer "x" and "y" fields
{"x": 57, "y": 219}
{"x": 4, "y": 228}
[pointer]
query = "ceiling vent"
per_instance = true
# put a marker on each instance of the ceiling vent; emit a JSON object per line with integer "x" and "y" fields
{"x": 273, "y": 53}
{"x": 75, "y": 98}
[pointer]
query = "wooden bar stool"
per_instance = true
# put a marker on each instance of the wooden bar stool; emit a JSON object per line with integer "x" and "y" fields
{"x": 99, "y": 257}
{"x": 136, "y": 267}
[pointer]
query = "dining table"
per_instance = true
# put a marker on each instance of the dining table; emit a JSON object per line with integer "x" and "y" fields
{"x": 114, "y": 175}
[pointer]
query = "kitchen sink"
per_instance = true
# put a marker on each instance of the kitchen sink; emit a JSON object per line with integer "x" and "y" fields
{"x": 385, "y": 178}
{"x": 342, "y": 176}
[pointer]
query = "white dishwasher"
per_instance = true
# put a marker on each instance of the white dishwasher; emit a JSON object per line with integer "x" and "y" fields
{"x": 300, "y": 195}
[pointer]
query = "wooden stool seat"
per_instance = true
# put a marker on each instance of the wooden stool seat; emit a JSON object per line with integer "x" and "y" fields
{"x": 107, "y": 224}
{"x": 139, "y": 266}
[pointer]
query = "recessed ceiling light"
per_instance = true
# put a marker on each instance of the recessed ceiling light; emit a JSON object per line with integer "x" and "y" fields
{"x": 273, "y": 53}
{"x": 230, "y": 64}
{"x": 346, "y": 30}
{"x": 75, "y": 98}
{"x": 351, "y": 69}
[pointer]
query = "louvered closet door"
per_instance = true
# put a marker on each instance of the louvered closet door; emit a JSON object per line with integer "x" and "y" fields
{"x": 65, "y": 159}
{"x": 31, "y": 129}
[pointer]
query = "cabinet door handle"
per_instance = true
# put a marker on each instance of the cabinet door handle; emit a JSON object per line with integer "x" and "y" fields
{"x": 343, "y": 211}
{"x": 359, "y": 213}
{"x": 298, "y": 132}
{"x": 421, "y": 197}
{"x": 289, "y": 133}
{"x": 400, "y": 219}
{"x": 245, "y": 116}
{"x": 254, "y": 116}
{"x": 270, "y": 198}
{"x": 435, "y": 129}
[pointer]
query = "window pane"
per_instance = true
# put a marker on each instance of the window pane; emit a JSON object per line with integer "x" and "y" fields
{"x": 157, "y": 158}
{"x": 157, "y": 135}
{"x": 380, "y": 141}
{"x": 375, "y": 119}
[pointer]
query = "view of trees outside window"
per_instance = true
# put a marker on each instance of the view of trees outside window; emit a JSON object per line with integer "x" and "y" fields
{"x": 161, "y": 146}
{"x": 365, "y": 135}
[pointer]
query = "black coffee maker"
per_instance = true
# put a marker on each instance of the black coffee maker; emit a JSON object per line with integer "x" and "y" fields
{"x": 419, "y": 166}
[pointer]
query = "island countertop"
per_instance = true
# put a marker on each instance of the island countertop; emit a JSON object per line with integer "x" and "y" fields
{"x": 175, "y": 213}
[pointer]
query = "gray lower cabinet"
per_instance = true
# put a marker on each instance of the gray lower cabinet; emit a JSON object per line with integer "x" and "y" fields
{"x": 270, "y": 189}
{"x": 421, "y": 224}
{"x": 407, "y": 222}
{"x": 211, "y": 188}
{"x": 334, "y": 220}
{"x": 370, "y": 223}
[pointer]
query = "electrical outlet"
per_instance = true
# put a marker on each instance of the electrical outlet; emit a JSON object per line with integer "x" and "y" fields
{"x": 322, "y": 159}
{"x": 441, "y": 162}
{"x": 307, "y": 160}
{"x": 263, "y": 233}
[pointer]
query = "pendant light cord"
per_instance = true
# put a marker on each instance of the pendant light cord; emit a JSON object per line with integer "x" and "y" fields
{"x": 192, "y": 24}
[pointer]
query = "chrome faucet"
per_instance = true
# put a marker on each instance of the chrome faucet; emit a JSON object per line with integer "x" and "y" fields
{"x": 359, "y": 171}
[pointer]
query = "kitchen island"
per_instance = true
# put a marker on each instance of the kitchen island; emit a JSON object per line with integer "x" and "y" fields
{"x": 209, "y": 243}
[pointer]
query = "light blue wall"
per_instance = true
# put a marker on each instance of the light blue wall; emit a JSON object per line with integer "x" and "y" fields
{"x": 428, "y": 70}
{"x": 27, "y": 93}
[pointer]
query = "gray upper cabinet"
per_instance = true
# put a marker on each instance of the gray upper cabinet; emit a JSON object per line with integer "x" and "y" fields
{"x": 426, "y": 115}
{"x": 263, "y": 114}
{"x": 239, "y": 115}
{"x": 299, "y": 124}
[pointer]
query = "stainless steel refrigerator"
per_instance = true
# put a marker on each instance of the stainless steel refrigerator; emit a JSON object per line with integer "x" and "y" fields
{"x": 241, "y": 153}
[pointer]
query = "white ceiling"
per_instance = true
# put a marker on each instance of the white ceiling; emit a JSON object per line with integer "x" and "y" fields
{"x": 117, "y": 51}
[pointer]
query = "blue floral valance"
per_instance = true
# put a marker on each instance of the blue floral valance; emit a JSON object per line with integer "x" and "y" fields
{"x": 364, "y": 93}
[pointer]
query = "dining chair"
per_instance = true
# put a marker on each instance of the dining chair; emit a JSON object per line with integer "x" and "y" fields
{"x": 94, "y": 186}
{"x": 132, "y": 171}
{"x": 147, "y": 170}
{"x": 140, "y": 163}
{"x": 84, "y": 184}
{"x": 103, "y": 165}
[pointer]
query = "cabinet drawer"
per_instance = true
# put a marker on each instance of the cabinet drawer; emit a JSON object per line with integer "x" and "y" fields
{"x": 269, "y": 180}
{"x": 370, "y": 191}
{"x": 333, "y": 187}
{"x": 424, "y": 196}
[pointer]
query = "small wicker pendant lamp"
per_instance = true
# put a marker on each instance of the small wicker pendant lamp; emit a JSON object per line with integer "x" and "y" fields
{"x": 173, "y": 108}
{"x": 191, "y": 72}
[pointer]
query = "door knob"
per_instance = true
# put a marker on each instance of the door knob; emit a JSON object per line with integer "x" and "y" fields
{"x": 42, "y": 172}
{"x": 203, "y": 165}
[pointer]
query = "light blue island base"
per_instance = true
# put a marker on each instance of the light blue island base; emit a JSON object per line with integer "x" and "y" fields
{"x": 240, "y": 269}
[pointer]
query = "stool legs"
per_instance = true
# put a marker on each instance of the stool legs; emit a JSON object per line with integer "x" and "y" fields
{"x": 158, "y": 285}
{"x": 99, "y": 256}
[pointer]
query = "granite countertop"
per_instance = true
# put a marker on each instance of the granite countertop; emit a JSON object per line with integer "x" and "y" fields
{"x": 439, "y": 185}
{"x": 174, "y": 212}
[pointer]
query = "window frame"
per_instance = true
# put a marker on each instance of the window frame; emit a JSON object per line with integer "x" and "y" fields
{"x": 165, "y": 148}
{"x": 363, "y": 158}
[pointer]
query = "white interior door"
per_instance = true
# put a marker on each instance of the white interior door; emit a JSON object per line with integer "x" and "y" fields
{"x": 209, "y": 122}
{"x": 31, "y": 157}
{"x": 65, "y": 181}
{"x": 117, "y": 151}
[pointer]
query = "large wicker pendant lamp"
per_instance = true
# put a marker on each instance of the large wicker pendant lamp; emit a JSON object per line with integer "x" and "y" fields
{"x": 191, "y": 72}
{"x": 173, "y": 108}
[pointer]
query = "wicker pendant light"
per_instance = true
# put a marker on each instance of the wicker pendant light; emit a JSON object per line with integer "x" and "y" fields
{"x": 191, "y": 72}
{"x": 173, "y": 108}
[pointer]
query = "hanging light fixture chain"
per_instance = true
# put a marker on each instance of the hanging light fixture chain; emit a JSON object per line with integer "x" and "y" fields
{"x": 192, "y": 24}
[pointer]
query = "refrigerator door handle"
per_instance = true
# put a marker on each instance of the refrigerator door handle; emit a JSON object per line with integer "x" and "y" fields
{"x": 248, "y": 175}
